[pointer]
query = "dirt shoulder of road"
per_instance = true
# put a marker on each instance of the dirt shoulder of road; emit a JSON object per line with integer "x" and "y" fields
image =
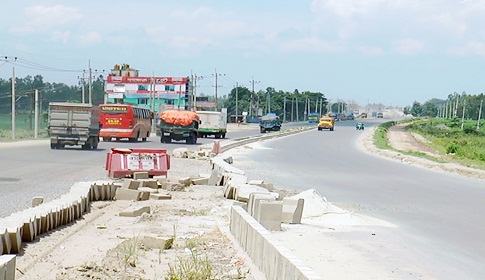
{"x": 402, "y": 141}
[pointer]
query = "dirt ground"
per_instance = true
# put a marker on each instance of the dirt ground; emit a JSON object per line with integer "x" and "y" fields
{"x": 186, "y": 232}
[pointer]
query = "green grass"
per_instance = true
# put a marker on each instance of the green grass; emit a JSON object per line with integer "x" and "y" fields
{"x": 24, "y": 127}
{"x": 465, "y": 146}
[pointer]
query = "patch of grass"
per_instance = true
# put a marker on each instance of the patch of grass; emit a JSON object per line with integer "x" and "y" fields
{"x": 128, "y": 253}
{"x": 380, "y": 135}
{"x": 193, "y": 267}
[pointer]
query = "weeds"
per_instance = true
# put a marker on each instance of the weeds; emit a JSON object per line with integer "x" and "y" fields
{"x": 194, "y": 267}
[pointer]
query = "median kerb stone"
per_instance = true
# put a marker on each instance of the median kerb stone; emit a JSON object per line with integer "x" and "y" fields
{"x": 255, "y": 197}
{"x": 140, "y": 175}
{"x": 131, "y": 184}
{"x": 268, "y": 214}
{"x": 244, "y": 190}
{"x": 135, "y": 210}
{"x": 7, "y": 267}
{"x": 127, "y": 194}
{"x": 160, "y": 196}
{"x": 292, "y": 210}
{"x": 37, "y": 200}
{"x": 148, "y": 183}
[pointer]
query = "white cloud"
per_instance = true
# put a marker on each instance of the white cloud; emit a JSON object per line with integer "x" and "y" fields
{"x": 39, "y": 18}
{"x": 60, "y": 36}
{"x": 408, "y": 46}
{"x": 90, "y": 38}
{"x": 371, "y": 51}
{"x": 308, "y": 45}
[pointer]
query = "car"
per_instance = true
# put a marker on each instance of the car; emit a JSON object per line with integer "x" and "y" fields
{"x": 326, "y": 123}
{"x": 380, "y": 115}
{"x": 363, "y": 115}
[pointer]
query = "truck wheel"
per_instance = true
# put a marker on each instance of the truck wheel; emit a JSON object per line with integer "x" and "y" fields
{"x": 86, "y": 146}
{"x": 53, "y": 146}
{"x": 223, "y": 135}
{"x": 218, "y": 136}
{"x": 262, "y": 130}
{"x": 95, "y": 143}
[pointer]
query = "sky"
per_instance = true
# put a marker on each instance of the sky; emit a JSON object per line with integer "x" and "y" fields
{"x": 362, "y": 51}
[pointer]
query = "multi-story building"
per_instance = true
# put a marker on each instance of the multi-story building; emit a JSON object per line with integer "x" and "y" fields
{"x": 124, "y": 85}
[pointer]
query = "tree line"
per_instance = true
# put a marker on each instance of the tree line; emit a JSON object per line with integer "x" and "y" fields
{"x": 456, "y": 105}
{"x": 48, "y": 92}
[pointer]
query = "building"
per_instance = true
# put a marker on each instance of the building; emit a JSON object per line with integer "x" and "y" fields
{"x": 124, "y": 85}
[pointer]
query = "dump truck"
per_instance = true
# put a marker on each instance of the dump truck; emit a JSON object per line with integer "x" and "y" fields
{"x": 178, "y": 125}
{"x": 73, "y": 124}
{"x": 269, "y": 122}
{"x": 213, "y": 123}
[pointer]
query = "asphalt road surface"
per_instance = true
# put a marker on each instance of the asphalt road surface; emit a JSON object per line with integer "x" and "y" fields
{"x": 438, "y": 216}
{"x": 31, "y": 168}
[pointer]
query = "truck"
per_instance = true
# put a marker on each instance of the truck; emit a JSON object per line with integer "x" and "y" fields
{"x": 178, "y": 125}
{"x": 213, "y": 123}
{"x": 269, "y": 122}
{"x": 73, "y": 124}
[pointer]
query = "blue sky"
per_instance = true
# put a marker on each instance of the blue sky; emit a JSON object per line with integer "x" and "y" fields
{"x": 376, "y": 51}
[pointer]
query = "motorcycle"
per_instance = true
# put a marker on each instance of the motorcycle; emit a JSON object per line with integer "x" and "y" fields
{"x": 359, "y": 126}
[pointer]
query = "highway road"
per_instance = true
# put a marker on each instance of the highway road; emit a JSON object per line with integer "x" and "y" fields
{"x": 31, "y": 168}
{"x": 438, "y": 216}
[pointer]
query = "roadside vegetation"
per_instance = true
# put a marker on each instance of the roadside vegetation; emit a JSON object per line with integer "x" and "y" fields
{"x": 24, "y": 127}
{"x": 459, "y": 141}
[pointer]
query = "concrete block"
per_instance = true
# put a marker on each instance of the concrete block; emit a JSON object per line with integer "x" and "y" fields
{"x": 7, "y": 267}
{"x": 292, "y": 210}
{"x": 131, "y": 184}
{"x": 243, "y": 205}
{"x": 200, "y": 181}
{"x": 144, "y": 195}
{"x": 37, "y": 200}
{"x": 135, "y": 211}
{"x": 268, "y": 214}
{"x": 255, "y": 197}
{"x": 172, "y": 186}
{"x": 244, "y": 190}
{"x": 148, "y": 183}
{"x": 161, "y": 179}
{"x": 127, "y": 194}
{"x": 28, "y": 229}
{"x": 14, "y": 233}
{"x": 160, "y": 196}
{"x": 5, "y": 240}
{"x": 185, "y": 181}
{"x": 140, "y": 175}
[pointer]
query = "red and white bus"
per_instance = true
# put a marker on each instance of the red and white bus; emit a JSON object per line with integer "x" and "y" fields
{"x": 125, "y": 121}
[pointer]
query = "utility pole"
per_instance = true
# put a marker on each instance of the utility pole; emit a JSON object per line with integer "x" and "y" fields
{"x": 292, "y": 108}
{"x": 237, "y": 86}
{"x": 463, "y": 115}
{"x": 252, "y": 97}
{"x": 479, "y": 115}
{"x": 216, "y": 86}
{"x": 296, "y": 103}
{"x": 90, "y": 80}
{"x": 284, "y": 108}
{"x": 36, "y": 114}
{"x": 82, "y": 81}
{"x": 13, "y": 103}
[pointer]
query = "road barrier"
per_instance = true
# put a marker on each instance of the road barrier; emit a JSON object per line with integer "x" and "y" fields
{"x": 122, "y": 163}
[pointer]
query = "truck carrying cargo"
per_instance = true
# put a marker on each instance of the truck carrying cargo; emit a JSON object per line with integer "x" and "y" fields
{"x": 178, "y": 125}
{"x": 269, "y": 122}
{"x": 73, "y": 124}
{"x": 213, "y": 123}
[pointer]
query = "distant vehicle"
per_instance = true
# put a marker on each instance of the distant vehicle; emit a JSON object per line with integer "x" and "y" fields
{"x": 313, "y": 117}
{"x": 73, "y": 124}
{"x": 359, "y": 126}
{"x": 269, "y": 122}
{"x": 120, "y": 121}
{"x": 212, "y": 123}
{"x": 178, "y": 125}
{"x": 363, "y": 115}
{"x": 326, "y": 123}
{"x": 380, "y": 115}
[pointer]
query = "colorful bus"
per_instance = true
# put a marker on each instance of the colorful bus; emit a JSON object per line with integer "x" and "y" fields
{"x": 313, "y": 117}
{"x": 120, "y": 121}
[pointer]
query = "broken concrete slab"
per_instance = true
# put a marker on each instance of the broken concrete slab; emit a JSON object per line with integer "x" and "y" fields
{"x": 37, "y": 200}
{"x": 127, "y": 194}
{"x": 160, "y": 196}
{"x": 292, "y": 210}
